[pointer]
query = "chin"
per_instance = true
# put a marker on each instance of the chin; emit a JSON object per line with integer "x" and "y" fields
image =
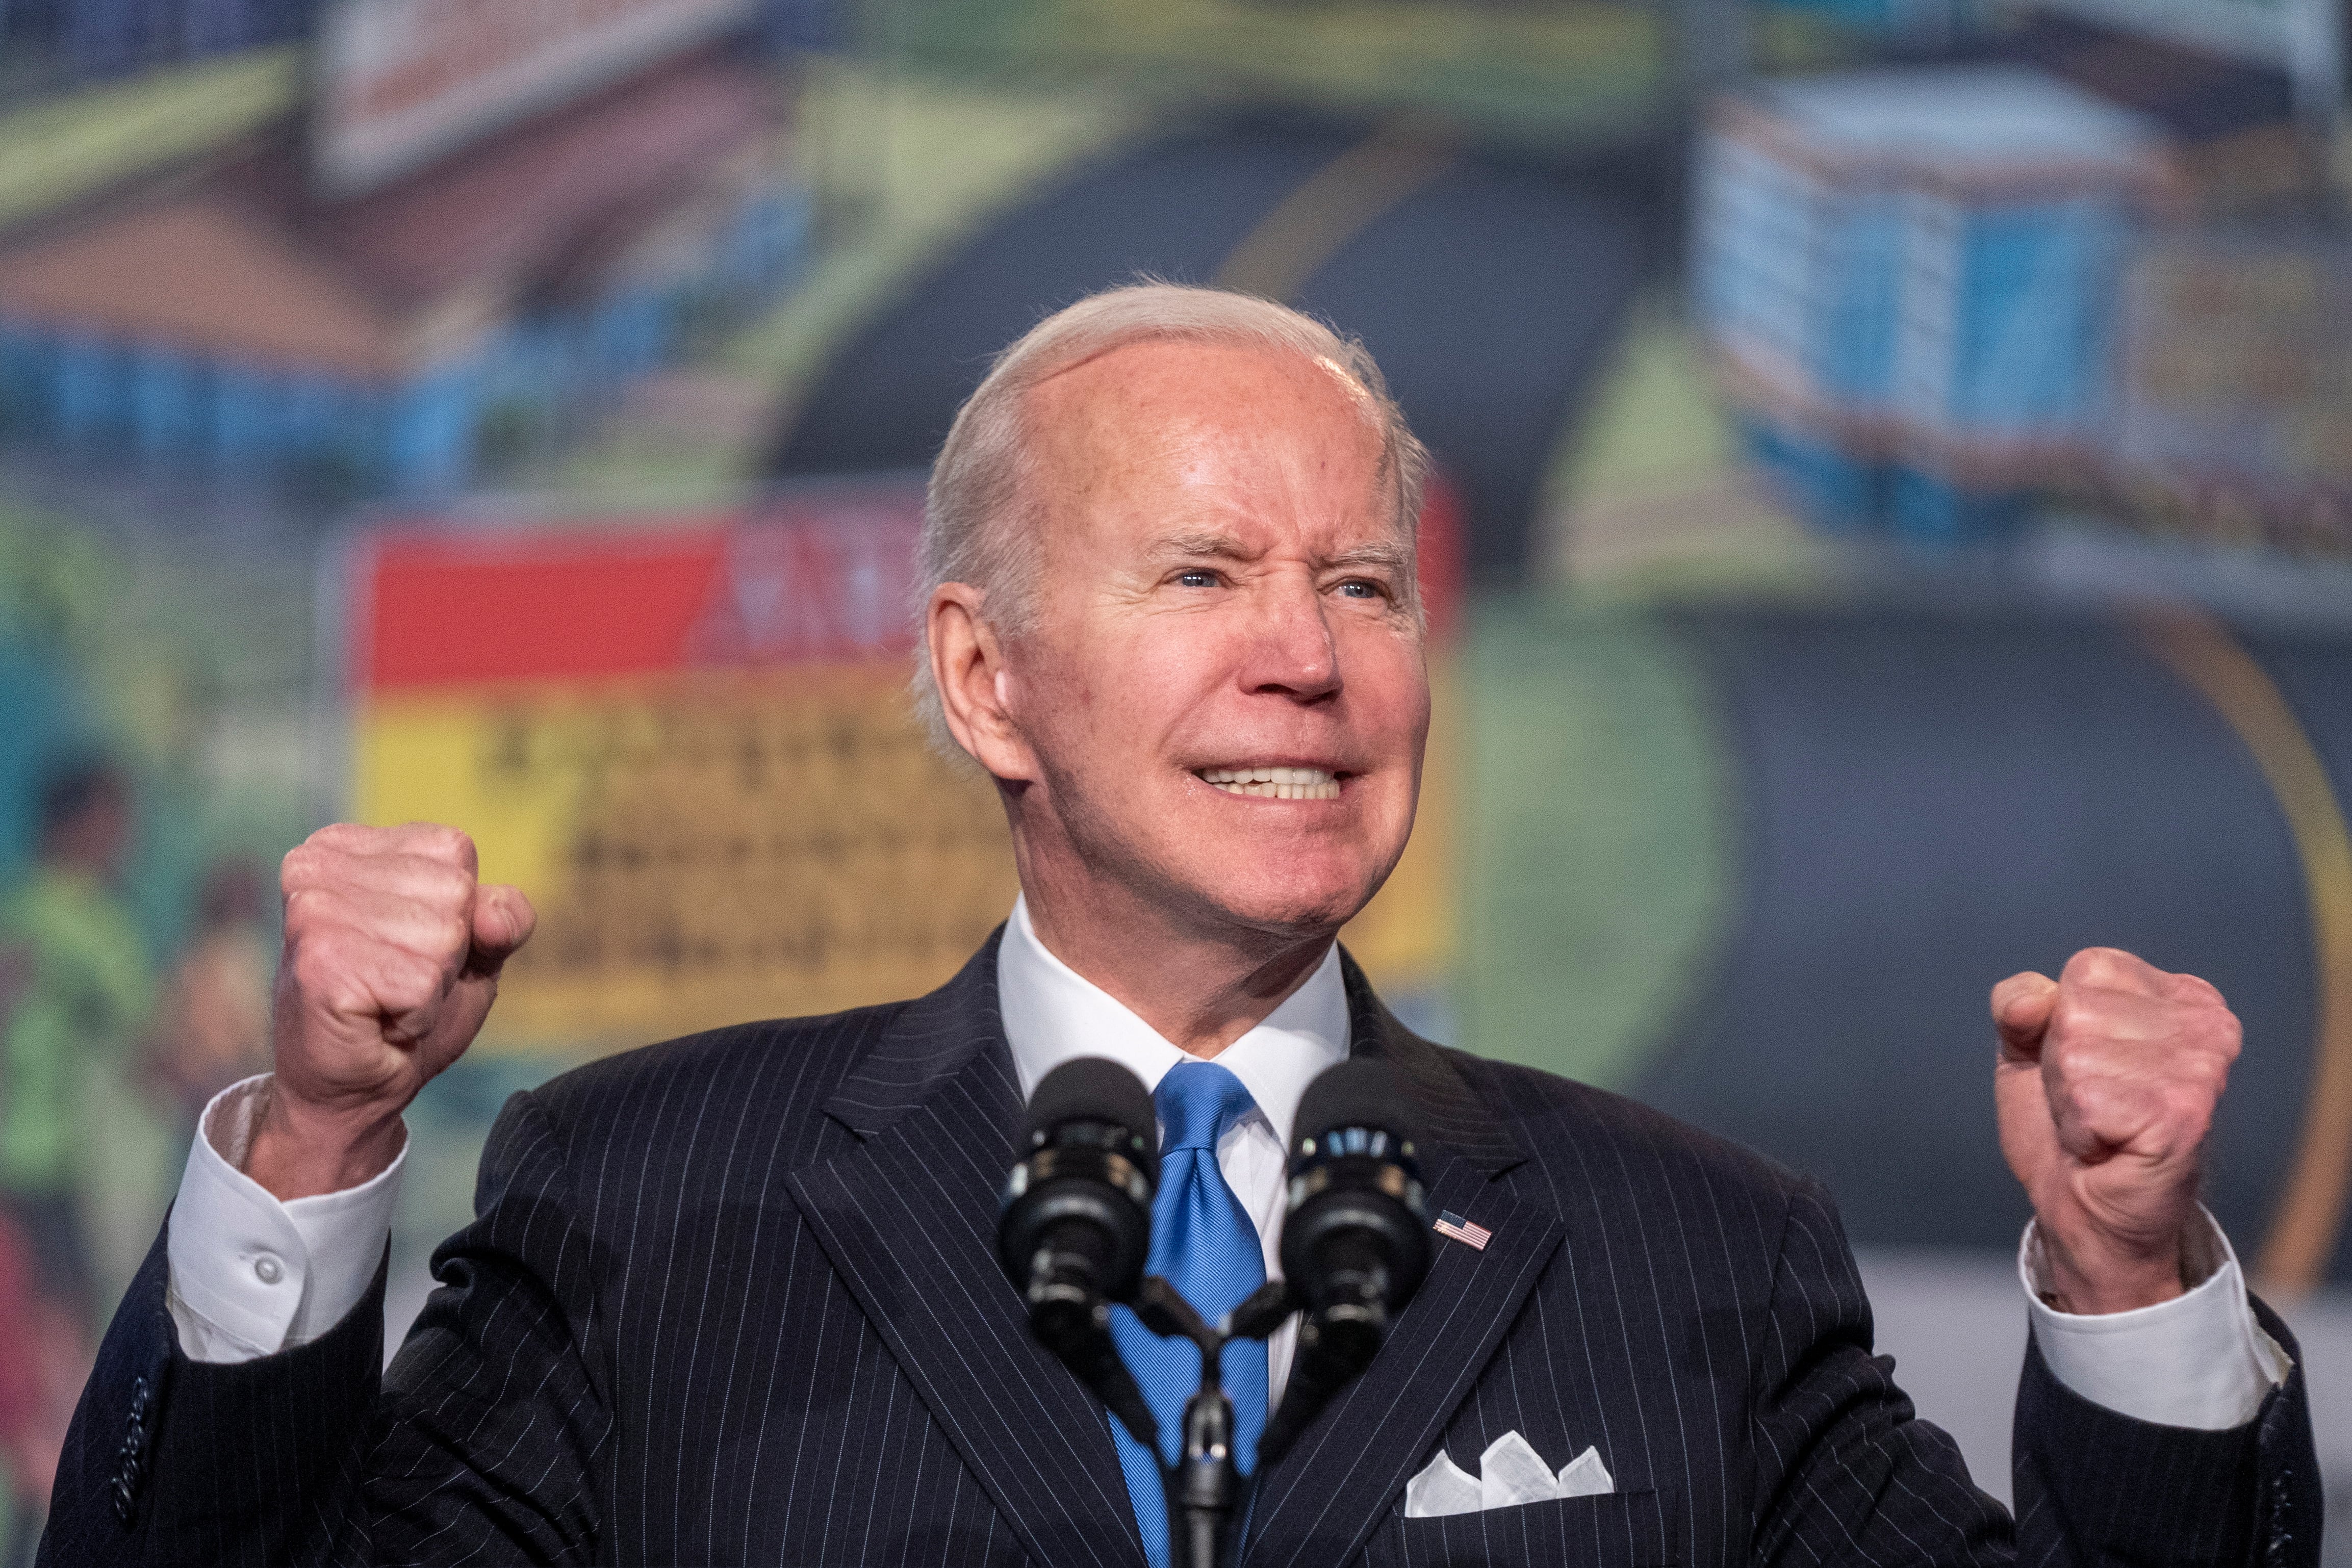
{"x": 1273, "y": 899}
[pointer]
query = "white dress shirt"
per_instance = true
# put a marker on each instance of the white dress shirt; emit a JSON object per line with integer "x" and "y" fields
{"x": 251, "y": 1275}
{"x": 1053, "y": 1013}
{"x": 2199, "y": 1359}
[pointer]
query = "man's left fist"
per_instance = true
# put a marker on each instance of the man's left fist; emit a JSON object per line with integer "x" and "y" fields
{"x": 2106, "y": 1085}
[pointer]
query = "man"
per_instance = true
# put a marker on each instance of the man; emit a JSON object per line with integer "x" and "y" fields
{"x": 74, "y": 996}
{"x": 71, "y": 1021}
{"x": 213, "y": 1023}
{"x": 733, "y": 1299}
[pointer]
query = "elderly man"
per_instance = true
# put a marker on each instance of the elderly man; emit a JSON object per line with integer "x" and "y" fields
{"x": 732, "y": 1299}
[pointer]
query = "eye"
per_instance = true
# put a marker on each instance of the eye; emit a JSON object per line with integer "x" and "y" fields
{"x": 1198, "y": 577}
{"x": 1363, "y": 588}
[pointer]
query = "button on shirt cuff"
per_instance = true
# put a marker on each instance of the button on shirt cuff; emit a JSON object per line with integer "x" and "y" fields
{"x": 2199, "y": 1361}
{"x": 251, "y": 1275}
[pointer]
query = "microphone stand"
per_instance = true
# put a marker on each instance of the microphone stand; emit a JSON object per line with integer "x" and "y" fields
{"x": 1357, "y": 1232}
{"x": 1207, "y": 1495}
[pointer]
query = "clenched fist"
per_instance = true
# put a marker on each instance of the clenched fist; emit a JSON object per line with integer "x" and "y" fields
{"x": 2106, "y": 1085}
{"x": 392, "y": 951}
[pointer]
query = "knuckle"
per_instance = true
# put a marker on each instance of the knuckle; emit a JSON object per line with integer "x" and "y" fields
{"x": 2084, "y": 962}
{"x": 345, "y": 838}
{"x": 300, "y": 868}
{"x": 2208, "y": 1031}
{"x": 2073, "y": 1022}
{"x": 2100, "y": 966}
{"x": 440, "y": 842}
{"x": 449, "y": 890}
{"x": 2199, "y": 989}
{"x": 2228, "y": 1035}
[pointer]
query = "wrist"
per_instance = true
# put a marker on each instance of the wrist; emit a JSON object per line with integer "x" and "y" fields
{"x": 2090, "y": 1275}
{"x": 299, "y": 1150}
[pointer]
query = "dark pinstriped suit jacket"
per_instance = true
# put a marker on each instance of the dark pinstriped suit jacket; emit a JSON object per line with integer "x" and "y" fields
{"x": 733, "y": 1299}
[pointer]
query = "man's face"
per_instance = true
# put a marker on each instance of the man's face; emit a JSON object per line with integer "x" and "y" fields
{"x": 96, "y": 838}
{"x": 1222, "y": 687}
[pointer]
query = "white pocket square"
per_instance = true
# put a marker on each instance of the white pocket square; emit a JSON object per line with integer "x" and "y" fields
{"x": 1510, "y": 1473}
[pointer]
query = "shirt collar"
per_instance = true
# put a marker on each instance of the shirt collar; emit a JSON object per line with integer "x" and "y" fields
{"x": 1052, "y": 1013}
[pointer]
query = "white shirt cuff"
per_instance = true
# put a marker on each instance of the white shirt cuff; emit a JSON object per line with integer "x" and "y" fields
{"x": 251, "y": 1276}
{"x": 2199, "y": 1359}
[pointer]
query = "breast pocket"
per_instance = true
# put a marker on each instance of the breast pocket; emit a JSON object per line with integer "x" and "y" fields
{"x": 1619, "y": 1530}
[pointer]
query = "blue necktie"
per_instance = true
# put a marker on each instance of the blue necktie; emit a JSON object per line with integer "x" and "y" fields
{"x": 1203, "y": 1243}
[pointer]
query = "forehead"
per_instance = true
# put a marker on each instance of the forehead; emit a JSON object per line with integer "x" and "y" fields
{"x": 1236, "y": 428}
{"x": 1155, "y": 380}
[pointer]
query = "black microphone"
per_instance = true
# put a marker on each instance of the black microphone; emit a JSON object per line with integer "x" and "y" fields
{"x": 1074, "y": 1227}
{"x": 1355, "y": 1243}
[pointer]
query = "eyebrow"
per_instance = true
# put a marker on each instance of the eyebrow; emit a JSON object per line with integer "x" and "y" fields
{"x": 1226, "y": 547}
{"x": 1393, "y": 556}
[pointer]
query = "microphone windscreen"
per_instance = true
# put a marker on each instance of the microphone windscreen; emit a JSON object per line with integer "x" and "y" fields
{"x": 1096, "y": 1089}
{"x": 1357, "y": 1092}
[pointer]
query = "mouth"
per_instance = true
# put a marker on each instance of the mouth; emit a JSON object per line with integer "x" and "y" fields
{"x": 1271, "y": 782}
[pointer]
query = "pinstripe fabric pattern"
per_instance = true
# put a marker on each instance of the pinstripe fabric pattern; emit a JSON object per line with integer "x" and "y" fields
{"x": 733, "y": 1299}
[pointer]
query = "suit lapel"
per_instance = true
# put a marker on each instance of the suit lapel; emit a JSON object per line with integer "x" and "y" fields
{"x": 909, "y": 1219}
{"x": 1323, "y": 1500}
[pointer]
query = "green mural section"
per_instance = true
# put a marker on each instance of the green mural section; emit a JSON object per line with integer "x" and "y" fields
{"x": 1599, "y": 837}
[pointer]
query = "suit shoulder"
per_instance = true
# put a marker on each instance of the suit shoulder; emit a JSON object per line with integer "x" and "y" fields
{"x": 1559, "y": 1119}
{"x": 788, "y": 1065}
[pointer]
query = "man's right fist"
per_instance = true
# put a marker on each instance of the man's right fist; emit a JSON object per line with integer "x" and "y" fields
{"x": 392, "y": 951}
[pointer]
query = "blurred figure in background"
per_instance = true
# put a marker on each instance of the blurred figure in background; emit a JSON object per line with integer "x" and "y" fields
{"x": 46, "y": 1352}
{"x": 74, "y": 996}
{"x": 82, "y": 1004}
{"x": 213, "y": 1026}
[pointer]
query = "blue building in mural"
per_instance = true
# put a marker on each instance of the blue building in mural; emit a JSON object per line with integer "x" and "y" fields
{"x": 1909, "y": 276}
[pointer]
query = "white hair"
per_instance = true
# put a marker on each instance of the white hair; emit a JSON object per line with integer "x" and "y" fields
{"x": 980, "y": 517}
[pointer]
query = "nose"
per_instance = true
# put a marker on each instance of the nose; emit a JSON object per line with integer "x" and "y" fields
{"x": 1291, "y": 651}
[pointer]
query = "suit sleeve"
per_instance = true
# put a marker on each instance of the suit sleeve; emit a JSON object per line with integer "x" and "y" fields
{"x": 478, "y": 1444}
{"x": 1848, "y": 1473}
{"x": 2095, "y": 1488}
{"x": 1845, "y": 1472}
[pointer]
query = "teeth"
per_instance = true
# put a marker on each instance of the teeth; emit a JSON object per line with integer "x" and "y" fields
{"x": 1269, "y": 783}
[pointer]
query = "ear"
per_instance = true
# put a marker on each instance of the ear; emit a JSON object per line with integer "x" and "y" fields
{"x": 968, "y": 666}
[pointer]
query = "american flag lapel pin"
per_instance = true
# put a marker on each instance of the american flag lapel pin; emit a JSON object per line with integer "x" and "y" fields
{"x": 1474, "y": 1237}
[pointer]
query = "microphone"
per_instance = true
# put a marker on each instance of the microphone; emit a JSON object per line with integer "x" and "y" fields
{"x": 1355, "y": 1244}
{"x": 1074, "y": 1226}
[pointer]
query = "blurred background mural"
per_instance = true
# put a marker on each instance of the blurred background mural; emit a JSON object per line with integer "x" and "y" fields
{"x": 1894, "y": 529}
